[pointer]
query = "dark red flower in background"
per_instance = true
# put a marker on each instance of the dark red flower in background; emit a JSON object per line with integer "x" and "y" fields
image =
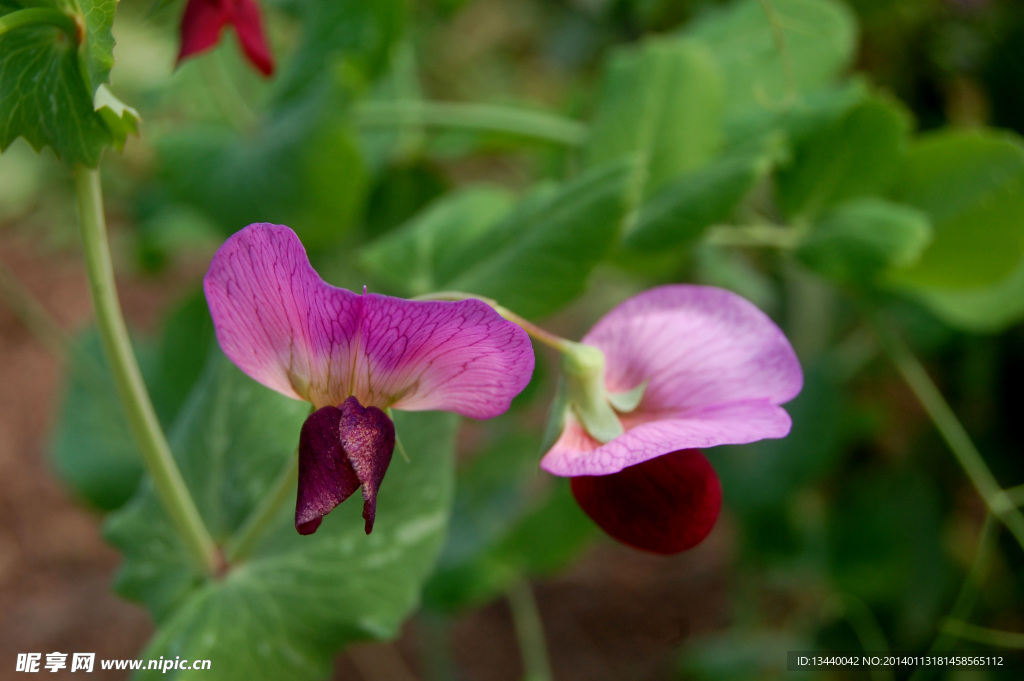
{"x": 204, "y": 21}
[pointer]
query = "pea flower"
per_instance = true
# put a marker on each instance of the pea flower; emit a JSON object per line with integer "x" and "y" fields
{"x": 683, "y": 368}
{"x": 354, "y": 357}
{"x": 205, "y": 20}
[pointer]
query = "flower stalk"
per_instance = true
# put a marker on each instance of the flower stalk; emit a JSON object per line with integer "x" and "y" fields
{"x": 156, "y": 453}
{"x": 537, "y": 125}
{"x": 998, "y": 501}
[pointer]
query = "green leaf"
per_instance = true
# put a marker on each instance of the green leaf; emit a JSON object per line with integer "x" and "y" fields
{"x": 53, "y": 87}
{"x": 416, "y": 258}
{"x": 988, "y": 310}
{"x": 539, "y": 257}
{"x": 286, "y": 610}
{"x": 506, "y": 524}
{"x": 971, "y": 185}
{"x": 819, "y": 38}
{"x": 858, "y": 155}
{"x": 679, "y": 213}
{"x": 859, "y": 239}
{"x": 93, "y": 449}
{"x": 304, "y": 169}
{"x": 96, "y": 54}
{"x": 347, "y": 39}
{"x": 661, "y": 102}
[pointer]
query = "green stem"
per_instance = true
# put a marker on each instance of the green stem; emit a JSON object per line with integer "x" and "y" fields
{"x": 41, "y": 16}
{"x": 156, "y": 453}
{"x": 529, "y": 631}
{"x": 953, "y": 432}
{"x": 560, "y": 344}
{"x": 242, "y": 544}
{"x": 537, "y": 125}
{"x": 992, "y": 637}
{"x": 754, "y": 236}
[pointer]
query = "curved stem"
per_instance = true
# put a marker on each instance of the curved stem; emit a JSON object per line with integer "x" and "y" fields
{"x": 542, "y": 335}
{"x": 754, "y": 236}
{"x": 529, "y": 632}
{"x": 41, "y": 16}
{"x": 537, "y": 125}
{"x": 953, "y": 432}
{"x": 993, "y": 637}
{"x": 156, "y": 453}
{"x": 283, "y": 488}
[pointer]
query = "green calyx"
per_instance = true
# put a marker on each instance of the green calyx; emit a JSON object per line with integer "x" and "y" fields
{"x": 590, "y": 403}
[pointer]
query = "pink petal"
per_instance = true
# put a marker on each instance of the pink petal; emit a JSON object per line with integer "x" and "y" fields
{"x": 665, "y": 505}
{"x": 249, "y": 27}
{"x": 462, "y": 357}
{"x": 277, "y": 320}
{"x": 576, "y": 453}
{"x": 286, "y": 328}
{"x": 698, "y": 347}
{"x": 201, "y": 26}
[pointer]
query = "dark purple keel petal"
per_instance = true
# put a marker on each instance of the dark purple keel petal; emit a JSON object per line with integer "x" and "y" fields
{"x": 664, "y": 505}
{"x": 368, "y": 437}
{"x": 326, "y": 478}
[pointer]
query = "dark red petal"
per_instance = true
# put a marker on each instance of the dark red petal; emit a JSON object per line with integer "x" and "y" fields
{"x": 201, "y": 26}
{"x": 664, "y": 505}
{"x": 249, "y": 26}
{"x": 368, "y": 436}
{"x": 326, "y": 478}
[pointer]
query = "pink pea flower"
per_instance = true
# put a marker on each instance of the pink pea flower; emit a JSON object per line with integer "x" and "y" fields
{"x": 354, "y": 357}
{"x": 204, "y": 21}
{"x": 712, "y": 369}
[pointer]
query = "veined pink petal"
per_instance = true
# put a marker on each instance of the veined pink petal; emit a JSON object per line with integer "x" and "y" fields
{"x": 697, "y": 347}
{"x": 576, "y": 453}
{"x": 201, "y": 26}
{"x": 288, "y": 329}
{"x": 249, "y": 26}
{"x": 277, "y": 320}
{"x": 462, "y": 357}
{"x": 665, "y": 505}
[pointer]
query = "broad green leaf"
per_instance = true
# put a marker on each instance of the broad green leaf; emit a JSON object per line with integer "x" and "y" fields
{"x": 412, "y": 257}
{"x": 506, "y": 525}
{"x": 661, "y": 102}
{"x": 539, "y": 257}
{"x": 97, "y": 53}
{"x": 680, "y": 212}
{"x": 347, "y": 39}
{"x": 818, "y": 42}
{"x": 286, "y": 610}
{"x": 971, "y": 185}
{"x": 185, "y": 344}
{"x": 53, "y": 92}
{"x": 303, "y": 169}
{"x": 858, "y": 155}
{"x": 797, "y": 120}
{"x": 988, "y": 309}
{"x": 93, "y": 449}
{"x": 859, "y": 239}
